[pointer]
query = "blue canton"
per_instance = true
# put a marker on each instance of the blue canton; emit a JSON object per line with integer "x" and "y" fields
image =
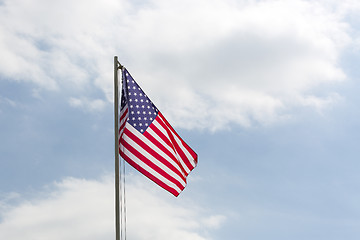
{"x": 142, "y": 111}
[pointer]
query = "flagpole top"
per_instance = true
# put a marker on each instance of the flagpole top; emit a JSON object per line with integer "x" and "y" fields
{"x": 119, "y": 66}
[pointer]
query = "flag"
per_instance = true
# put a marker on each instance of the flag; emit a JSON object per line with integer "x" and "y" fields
{"x": 149, "y": 143}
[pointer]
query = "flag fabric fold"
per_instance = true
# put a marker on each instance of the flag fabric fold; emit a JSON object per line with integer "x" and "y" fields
{"x": 149, "y": 143}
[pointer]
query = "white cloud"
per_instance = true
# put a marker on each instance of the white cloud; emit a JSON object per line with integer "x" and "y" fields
{"x": 84, "y": 209}
{"x": 206, "y": 64}
{"x": 215, "y": 221}
{"x": 88, "y": 104}
{"x": 320, "y": 103}
{"x": 7, "y": 101}
{"x": 246, "y": 66}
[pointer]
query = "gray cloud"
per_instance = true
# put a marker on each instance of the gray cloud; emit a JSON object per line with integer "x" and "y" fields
{"x": 244, "y": 63}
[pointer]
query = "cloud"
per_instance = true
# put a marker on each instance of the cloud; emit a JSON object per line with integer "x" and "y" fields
{"x": 7, "y": 101}
{"x": 84, "y": 209}
{"x": 88, "y": 104}
{"x": 237, "y": 63}
{"x": 207, "y": 66}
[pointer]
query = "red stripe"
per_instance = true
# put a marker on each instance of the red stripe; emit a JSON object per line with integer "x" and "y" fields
{"x": 160, "y": 134}
{"x": 146, "y": 160}
{"x": 121, "y": 130}
{"x": 170, "y": 128}
{"x": 175, "y": 144}
{"x": 164, "y": 149}
{"x": 167, "y": 140}
{"x": 181, "y": 172}
{"x": 149, "y": 175}
{"x": 124, "y": 114}
{"x": 122, "y": 125}
{"x": 154, "y": 154}
{"x": 192, "y": 153}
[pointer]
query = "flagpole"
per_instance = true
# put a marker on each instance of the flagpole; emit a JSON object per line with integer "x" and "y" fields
{"x": 116, "y": 122}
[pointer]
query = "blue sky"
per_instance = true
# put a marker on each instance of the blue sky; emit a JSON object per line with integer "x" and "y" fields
{"x": 266, "y": 92}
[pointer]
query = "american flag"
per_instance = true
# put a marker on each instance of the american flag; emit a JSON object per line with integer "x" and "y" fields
{"x": 148, "y": 142}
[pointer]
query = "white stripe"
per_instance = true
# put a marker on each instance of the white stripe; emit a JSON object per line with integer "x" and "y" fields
{"x": 173, "y": 150}
{"x": 170, "y": 160}
{"x": 161, "y": 129}
{"x": 186, "y": 152}
{"x": 123, "y": 120}
{"x": 148, "y": 155}
{"x": 180, "y": 143}
{"x": 123, "y": 111}
{"x": 158, "y": 126}
{"x": 149, "y": 169}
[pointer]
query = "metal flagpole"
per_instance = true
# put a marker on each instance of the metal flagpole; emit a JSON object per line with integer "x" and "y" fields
{"x": 120, "y": 201}
{"x": 116, "y": 121}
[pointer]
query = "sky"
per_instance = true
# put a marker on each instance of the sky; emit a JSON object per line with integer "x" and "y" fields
{"x": 264, "y": 91}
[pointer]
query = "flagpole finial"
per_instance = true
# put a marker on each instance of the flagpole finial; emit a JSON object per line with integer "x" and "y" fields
{"x": 119, "y": 66}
